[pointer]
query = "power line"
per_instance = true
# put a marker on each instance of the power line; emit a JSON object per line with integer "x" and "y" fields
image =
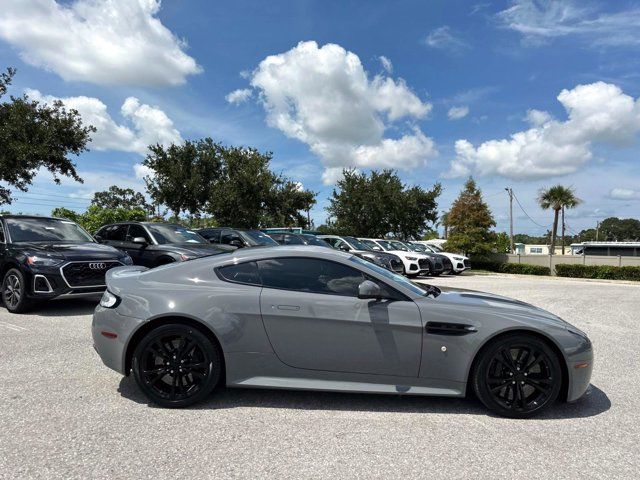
{"x": 528, "y": 216}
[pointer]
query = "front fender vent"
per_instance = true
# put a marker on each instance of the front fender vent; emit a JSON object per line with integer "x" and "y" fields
{"x": 452, "y": 329}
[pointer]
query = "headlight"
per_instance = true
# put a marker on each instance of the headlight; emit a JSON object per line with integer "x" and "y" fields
{"x": 127, "y": 260}
{"x": 459, "y": 259}
{"x": 43, "y": 261}
{"x": 109, "y": 300}
{"x": 411, "y": 258}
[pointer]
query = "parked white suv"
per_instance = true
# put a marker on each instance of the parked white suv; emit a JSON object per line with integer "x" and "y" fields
{"x": 414, "y": 263}
{"x": 460, "y": 262}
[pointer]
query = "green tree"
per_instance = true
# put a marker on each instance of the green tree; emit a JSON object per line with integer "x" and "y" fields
{"x": 379, "y": 204}
{"x": 557, "y": 198}
{"x": 248, "y": 194}
{"x": 116, "y": 197}
{"x": 95, "y": 217}
{"x": 469, "y": 222}
{"x": 37, "y": 136}
{"x": 502, "y": 243}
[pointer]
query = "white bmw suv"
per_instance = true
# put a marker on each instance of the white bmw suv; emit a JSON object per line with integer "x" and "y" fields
{"x": 414, "y": 263}
{"x": 460, "y": 262}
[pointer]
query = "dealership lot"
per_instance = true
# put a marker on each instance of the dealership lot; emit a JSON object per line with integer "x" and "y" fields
{"x": 65, "y": 415}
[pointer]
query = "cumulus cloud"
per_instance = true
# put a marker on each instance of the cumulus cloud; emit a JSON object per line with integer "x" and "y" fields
{"x": 624, "y": 194}
{"x": 540, "y": 22}
{"x": 598, "y": 112}
{"x": 103, "y": 42}
{"x": 148, "y": 125}
{"x": 239, "y": 96}
{"x": 456, "y": 113}
{"x": 443, "y": 38}
{"x": 386, "y": 64}
{"x": 323, "y": 96}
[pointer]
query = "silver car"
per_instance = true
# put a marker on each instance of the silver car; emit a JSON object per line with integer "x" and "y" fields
{"x": 303, "y": 317}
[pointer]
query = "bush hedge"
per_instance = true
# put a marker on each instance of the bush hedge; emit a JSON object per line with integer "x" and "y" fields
{"x": 598, "y": 271}
{"x": 523, "y": 268}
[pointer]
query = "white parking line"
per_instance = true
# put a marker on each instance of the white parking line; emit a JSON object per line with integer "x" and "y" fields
{"x": 11, "y": 326}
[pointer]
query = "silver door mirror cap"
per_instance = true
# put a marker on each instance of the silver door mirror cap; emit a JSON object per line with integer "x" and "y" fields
{"x": 368, "y": 290}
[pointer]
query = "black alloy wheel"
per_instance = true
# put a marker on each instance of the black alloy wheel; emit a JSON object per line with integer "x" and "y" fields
{"x": 176, "y": 365}
{"x": 518, "y": 376}
{"x": 14, "y": 295}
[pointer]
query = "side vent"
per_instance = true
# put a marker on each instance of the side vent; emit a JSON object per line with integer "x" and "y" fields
{"x": 452, "y": 329}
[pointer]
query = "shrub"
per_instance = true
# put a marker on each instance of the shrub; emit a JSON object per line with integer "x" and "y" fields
{"x": 607, "y": 272}
{"x": 522, "y": 268}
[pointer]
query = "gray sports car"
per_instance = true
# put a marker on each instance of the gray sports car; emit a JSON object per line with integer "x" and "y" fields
{"x": 304, "y": 317}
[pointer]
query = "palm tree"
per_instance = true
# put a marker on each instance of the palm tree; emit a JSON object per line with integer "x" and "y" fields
{"x": 557, "y": 198}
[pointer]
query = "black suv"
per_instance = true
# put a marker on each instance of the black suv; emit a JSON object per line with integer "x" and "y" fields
{"x": 151, "y": 244}
{"x": 290, "y": 238}
{"x": 43, "y": 258}
{"x": 237, "y": 237}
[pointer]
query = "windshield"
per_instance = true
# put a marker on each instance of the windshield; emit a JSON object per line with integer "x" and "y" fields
{"x": 46, "y": 230}
{"x": 435, "y": 248}
{"x": 417, "y": 288}
{"x": 357, "y": 244}
{"x": 386, "y": 245}
{"x": 417, "y": 247}
{"x": 256, "y": 237}
{"x": 313, "y": 240}
{"x": 399, "y": 246}
{"x": 164, "y": 234}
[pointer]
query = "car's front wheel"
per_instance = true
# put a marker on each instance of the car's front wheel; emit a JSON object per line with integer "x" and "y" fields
{"x": 517, "y": 376}
{"x": 176, "y": 365}
{"x": 14, "y": 291}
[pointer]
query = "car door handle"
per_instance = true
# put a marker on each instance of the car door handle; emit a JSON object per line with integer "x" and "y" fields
{"x": 288, "y": 307}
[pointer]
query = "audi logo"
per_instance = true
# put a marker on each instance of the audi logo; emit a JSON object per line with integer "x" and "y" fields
{"x": 97, "y": 266}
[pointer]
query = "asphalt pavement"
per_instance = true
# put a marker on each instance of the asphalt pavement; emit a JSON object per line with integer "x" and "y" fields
{"x": 64, "y": 415}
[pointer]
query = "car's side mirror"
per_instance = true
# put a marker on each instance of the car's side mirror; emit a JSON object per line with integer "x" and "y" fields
{"x": 236, "y": 243}
{"x": 140, "y": 240}
{"x": 98, "y": 238}
{"x": 369, "y": 289}
{"x": 376, "y": 248}
{"x": 344, "y": 248}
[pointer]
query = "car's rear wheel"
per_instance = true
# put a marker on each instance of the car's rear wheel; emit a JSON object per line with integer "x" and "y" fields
{"x": 517, "y": 376}
{"x": 14, "y": 291}
{"x": 176, "y": 365}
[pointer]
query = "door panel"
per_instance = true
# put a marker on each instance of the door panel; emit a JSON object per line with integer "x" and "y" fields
{"x": 342, "y": 333}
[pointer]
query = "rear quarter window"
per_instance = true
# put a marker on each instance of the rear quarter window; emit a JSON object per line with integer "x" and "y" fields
{"x": 245, "y": 273}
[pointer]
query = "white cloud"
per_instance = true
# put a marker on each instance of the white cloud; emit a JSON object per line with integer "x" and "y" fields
{"x": 456, "y": 113}
{"x": 386, "y": 64}
{"x": 598, "y": 112}
{"x": 103, "y": 42}
{"x": 323, "y": 97}
{"x": 624, "y": 194}
{"x": 443, "y": 38}
{"x": 239, "y": 96}
{"x": 542, "y": 21}
{"x": 149, "y": 125}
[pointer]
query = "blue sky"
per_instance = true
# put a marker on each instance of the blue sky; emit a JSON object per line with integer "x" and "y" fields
{"x": 517, "y": 93}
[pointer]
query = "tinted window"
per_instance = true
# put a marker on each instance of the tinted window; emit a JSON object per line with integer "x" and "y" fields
{"x": 137, "y": 231}
{"x": 417, "y": 288}
{"x": 292, "y": 240}
{"x": 46, "y": 230}
{"x": 1, "y": 234}
{"x": 278, "y": 237}
{"x": 313, "y": 240}
{"x": 241, "y": 273}
{"x": 256, "y": 237}
{"x": 310, "y": 275}
{"x": 115, "y": 232}
{"x": 227, "y": 236}
{"x": 212, "y": 235}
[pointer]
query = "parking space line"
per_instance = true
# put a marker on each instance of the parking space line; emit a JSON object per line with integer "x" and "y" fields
{"x": 11, "y": 326}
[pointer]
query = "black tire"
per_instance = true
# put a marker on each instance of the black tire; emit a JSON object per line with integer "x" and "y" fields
{"x": 517, "y": 375}
{"x": 14, "y": 291}
{"x": 168, "y": 350}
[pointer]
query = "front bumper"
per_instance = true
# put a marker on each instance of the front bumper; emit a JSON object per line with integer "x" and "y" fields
{"x": 112, "y": 350}
{"x": 47, "y": 283}
{"x": 580, "y": 367}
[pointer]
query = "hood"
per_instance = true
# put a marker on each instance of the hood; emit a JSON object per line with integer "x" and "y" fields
{"x": 197, "y": 249}
{"x": 500, "y": 305}
{"x": 72, "y": 251}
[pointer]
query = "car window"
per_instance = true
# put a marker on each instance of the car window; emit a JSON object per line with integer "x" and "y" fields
{"x": 212, "y": 235}
{"x": 278, "y": 237}
{"x": 341, "y": 244}
{"x": 2, "y": 240}
{"x": 137, "y": 231}
{"x": 292, "y": 240}
{"x": 330, "y": 241}
{"x": 310, "y": 275}
{"x": 46, "y": 230}
{"x": 256, "y": 237}
{"x": 227, "y": 236}
{"x": 165, "y": 233}
{"x": 246, "y": 273}
{"x": 313, "y": 240}
{"x": 114, "y": 232}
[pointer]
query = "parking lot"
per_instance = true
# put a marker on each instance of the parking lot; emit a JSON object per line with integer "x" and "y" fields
{"x": 64, "y": 415}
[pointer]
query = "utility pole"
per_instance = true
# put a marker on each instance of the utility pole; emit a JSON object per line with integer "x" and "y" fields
{"x": 562, "y": 229}
{"x": 510, "y": 192}
{"x": 597, "y": 230}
